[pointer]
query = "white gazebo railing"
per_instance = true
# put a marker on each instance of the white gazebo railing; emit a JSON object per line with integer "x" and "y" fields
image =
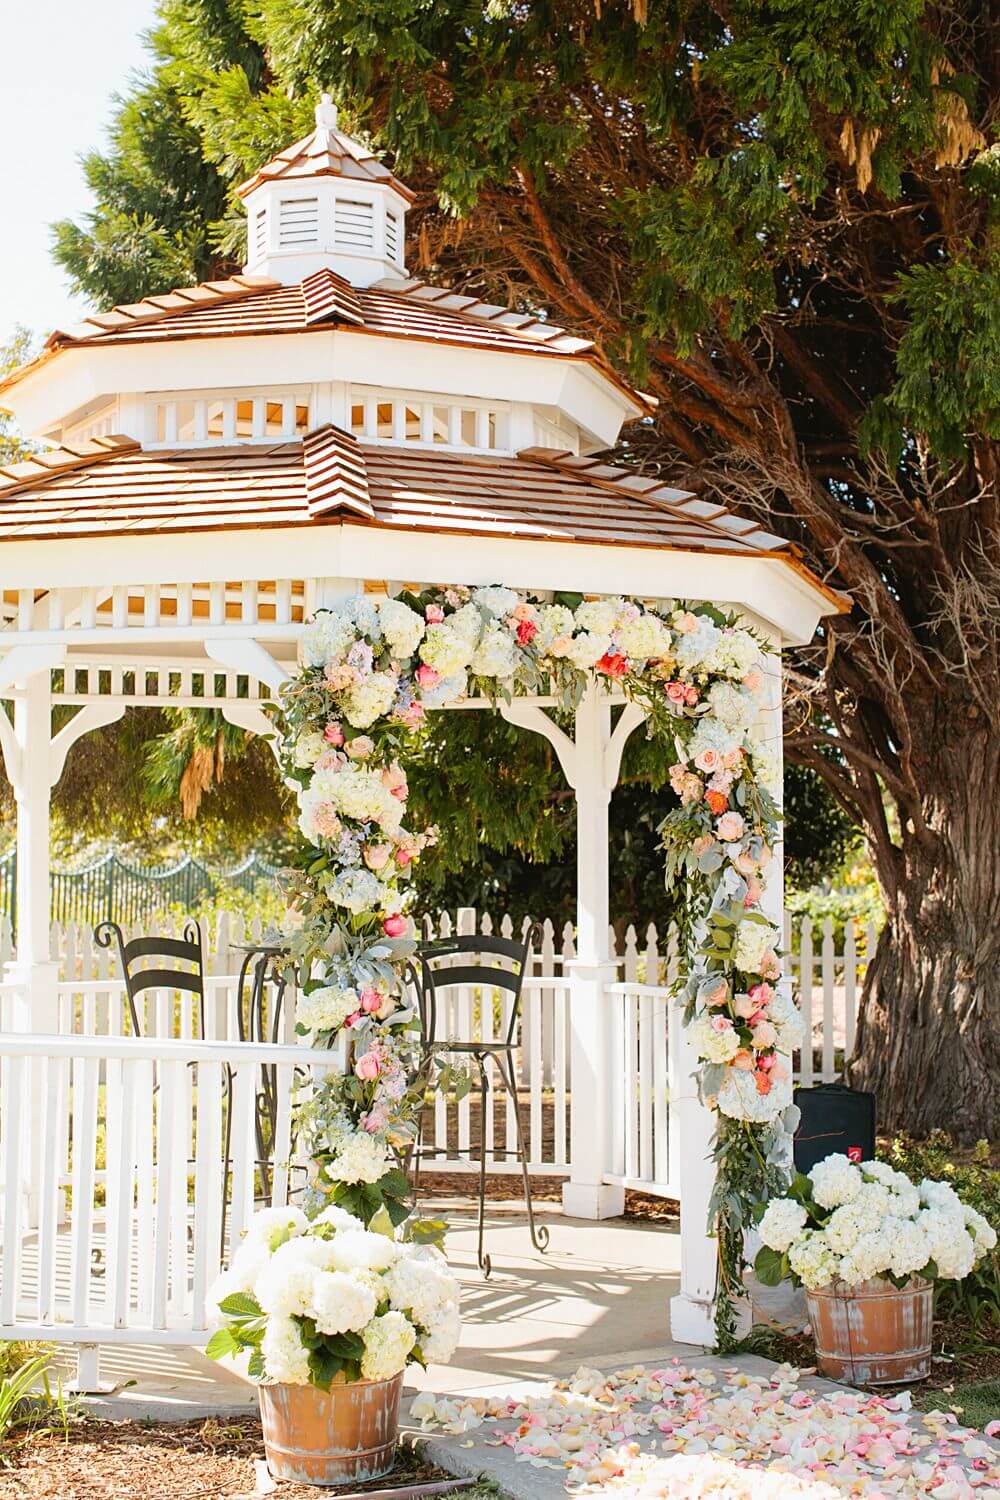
{"x": 111, "y": 1196}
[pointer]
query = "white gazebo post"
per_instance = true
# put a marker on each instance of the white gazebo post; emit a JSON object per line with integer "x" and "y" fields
{"x": 33, "y": 969}
{"x": 692, "y": 1312}
{"x": 587, "y": 1195}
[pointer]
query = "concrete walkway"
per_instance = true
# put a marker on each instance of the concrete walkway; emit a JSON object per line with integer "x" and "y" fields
{"x": 600, "y": 1289}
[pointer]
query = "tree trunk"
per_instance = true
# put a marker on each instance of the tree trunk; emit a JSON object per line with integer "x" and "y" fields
{"x": 928, "y": 1040}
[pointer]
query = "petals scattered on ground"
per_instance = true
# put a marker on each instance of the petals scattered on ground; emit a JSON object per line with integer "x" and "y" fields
{"x": 676, "y": 1431}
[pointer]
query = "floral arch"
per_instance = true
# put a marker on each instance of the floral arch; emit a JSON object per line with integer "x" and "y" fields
{"x": 370, "y": 669}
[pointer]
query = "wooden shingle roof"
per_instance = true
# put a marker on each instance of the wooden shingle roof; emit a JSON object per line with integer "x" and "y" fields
{"x": 539, "y": 495}
{"x": 325, "y": 152}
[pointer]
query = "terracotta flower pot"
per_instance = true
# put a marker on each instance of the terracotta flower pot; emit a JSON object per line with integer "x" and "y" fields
{"x": 329, "y": 1437}
{"x": 873, "y": 1334}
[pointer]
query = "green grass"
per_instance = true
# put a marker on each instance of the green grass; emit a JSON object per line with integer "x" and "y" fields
{"x": 975, "y": 1405}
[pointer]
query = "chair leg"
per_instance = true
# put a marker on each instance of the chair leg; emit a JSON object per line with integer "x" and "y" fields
{"x": 539, "y": 1232}
{"x": 485, "y": 1264}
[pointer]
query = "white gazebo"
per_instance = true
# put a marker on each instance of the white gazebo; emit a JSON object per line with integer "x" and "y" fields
{"x": 220, "y": 460}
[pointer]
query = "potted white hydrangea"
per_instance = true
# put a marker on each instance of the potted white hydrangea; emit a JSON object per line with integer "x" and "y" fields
{"x": 866, "y": 1243}
{"x": 331, "y": 1313}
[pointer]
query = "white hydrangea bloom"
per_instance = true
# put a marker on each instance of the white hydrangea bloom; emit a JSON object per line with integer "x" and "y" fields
{"x": 467, "y": 623}
{"x": 835, "y": 1180}
{"x": 357, "y": 792}
{"x": 420, "y": 1288}
{"x": 554, "y": 620}
{"x": 338, "y": 1217}
{"x": 355, "y": 889}
{"x": 908, "y": 1247}
{"x": 448, "y": 690}
{"x": 870, "y": 1256}
{"x": 440, "y": 1339}
{"x": 812, "y": 1260}
{"x": 600, "y": 616}
{"x": 739, "y": 1099}
{"x": 587, "y": 649}
{"x": 388, "y": 1342}
{"x": 495, "y": 601}
{"x": 359, "y": 1158}
{"x": 785, "y": 1016}
{"x": 697, "y": 646}
{"x": 766, "y": 765}
{"x": 246, "y": 1265}
{"x": 326, "y": 1008}
{"x": 731, "y": 705}
{"x": 402, "y": 627}
{"x": 327, "y": 638}
{"x": 712, "y": 1045}
{"x": 952, "y": 1248}
{"x": 285, "y": 1287}
{"x": 753, "y": 940}
{"x": 363, "y": 1250}
{"x": 309, "y": 746}
{"x": 286, "y": 1359}
{"x": 984, "y": 1236}
{"x": 446, "y": 649}
{"x": 645, "y": 638}
{"x": 271, "y": 1227}
{"x": 782, "y": 1223}
{"x": 496, "y": 654}
{"x": 940, "y": 1195}
{"x": 340, "y": 1303}
{"x": 365, "y": 614}
{"x": 850, "y": 1221}
{"x": 737, "y": 652}
{"x": 370, "y": 700}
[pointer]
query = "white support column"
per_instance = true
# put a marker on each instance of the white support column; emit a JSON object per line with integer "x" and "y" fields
{"x": 692, "y": 1313}
{"x": 33, "y": 970}
{"x": 587, "y": 1195}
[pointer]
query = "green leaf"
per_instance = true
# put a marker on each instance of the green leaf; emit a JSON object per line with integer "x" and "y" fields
{"x": 255, "y": 1368}
{"x": 770, "y": 1266}
{"x": 381, "y": 1223}
{"x": 222, "y": 1344}
{"x": 241, "y": 1305}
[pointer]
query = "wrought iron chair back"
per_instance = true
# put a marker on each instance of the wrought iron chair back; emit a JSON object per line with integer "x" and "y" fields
{"x": 437, "y": 972}
{"x": 186, "y": 950}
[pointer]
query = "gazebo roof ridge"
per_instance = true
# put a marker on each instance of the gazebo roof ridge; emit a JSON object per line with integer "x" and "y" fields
{"x": 327, "y": 151}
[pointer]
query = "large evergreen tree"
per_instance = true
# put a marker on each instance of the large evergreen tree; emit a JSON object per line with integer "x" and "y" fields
{"x": 783, "y": 219}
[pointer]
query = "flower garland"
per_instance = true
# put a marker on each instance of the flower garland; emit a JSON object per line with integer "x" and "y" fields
{"x": 370, "y": 669}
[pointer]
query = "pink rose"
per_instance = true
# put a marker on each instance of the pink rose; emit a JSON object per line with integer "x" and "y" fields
{"x": 523, "y": 611}
{"x": 368, "y": 1067}
{"x": 703, "y": 842}
{"x": 730, "y": 826}
{"x": 732, "y": 759}
{"x": 427, "y": 677}
{"x": 394, "y": 926}
{"x": 403, "y": 857}
{"x": 353, "y": 1020}
{"x": 764, "y": 1035}
{"x": 371, "y": 1001}
{"x": 333, "y": 734}
{"x": 717, "y": 996}
{"x": 686, "y": 622}
{"x": 754, "y": 680}
{"x": 340, "y": 676}
{"x": 691, "y": 696}
{"x": 526, "y": 632}
{"x": 722, "y": 781}
{"x": 744, "y": 863}
{"x": 745, "y": 1007}
{"x": 360, "y": 747}
{"x": 675, "y": 692}
{"x": 761, "y": 994}
{"x": 754, "y": 892}
{"x": 743, "y": 1060}
{"x": 770, "y": 965}
{"x": 708, "y": 761}
{"x": 377, "y": 856}
{"x": 721, "y": 1024}
{"x": 434, "y": 614}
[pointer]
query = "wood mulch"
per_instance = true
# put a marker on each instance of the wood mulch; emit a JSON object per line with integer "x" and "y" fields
{"x": 201, "y": 1460}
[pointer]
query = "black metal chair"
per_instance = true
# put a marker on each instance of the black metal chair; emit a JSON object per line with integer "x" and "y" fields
{"x": 262, "y": 975}
{"x": 493, "y": 963}
{"x": 185, "y": 950}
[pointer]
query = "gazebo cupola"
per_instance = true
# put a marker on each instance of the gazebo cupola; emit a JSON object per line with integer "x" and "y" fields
{"x": 325, "y": 202}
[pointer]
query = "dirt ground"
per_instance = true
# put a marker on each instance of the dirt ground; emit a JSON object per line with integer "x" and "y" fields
{"x": 203, "y": 1460}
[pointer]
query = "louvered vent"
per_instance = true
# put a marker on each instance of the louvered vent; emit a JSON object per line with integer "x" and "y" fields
{"x": 391, "y": 236}
{"x": 355, "y": 225}
{"x": 260, "y": 234}
{"x": 298, "y": 222}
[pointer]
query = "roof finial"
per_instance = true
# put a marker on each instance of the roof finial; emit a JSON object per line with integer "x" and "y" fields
{"x": 326, "y": 113}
